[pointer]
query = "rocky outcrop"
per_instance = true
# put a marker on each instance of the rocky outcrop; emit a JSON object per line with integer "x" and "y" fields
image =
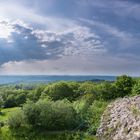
{"x": 121, "y": 120}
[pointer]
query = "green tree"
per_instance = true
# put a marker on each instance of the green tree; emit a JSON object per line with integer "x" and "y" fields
{"x": 10, "y": 101}
{"x": 34, "y": 95}
{"x": 124, "y": 85}
{"x": 60, "y": 90}
{"x": 17, "y": 119}
{"x": 31, "y": 112}
{"x": 105, "y": 91}
{"x": 87, "y": 88}
{"x": 81, "y": 106}
{"x": 20, "y": 98}
{"x": 50, "y": 115}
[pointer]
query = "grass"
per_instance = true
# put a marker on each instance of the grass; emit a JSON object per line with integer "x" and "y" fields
{"x": 7, "y": 134}
{"x": 5, "y": 113}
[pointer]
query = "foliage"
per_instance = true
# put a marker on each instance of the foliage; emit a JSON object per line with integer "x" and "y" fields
{"x": 86, "y": 88}
{"x": 136, "y": 88}
{"x": 6, "y": 112}
{"x": 59, "y": 107}
{"x": 1, "y": 103}
{"x": 7, "y": 134}
{"x": 13, "y": 98}
{"x": 17, "y": 119}
{"x": 101, "y": 91}
{"x": 94, "y": 115}
{"x": 81, "y": 106}
{"x": 35, "y": 94}
{"x": 50, "y": 115}
{"x": 105, "y": 91}
{"x": 61, "y": 90}
{"x": 124, "y": 85}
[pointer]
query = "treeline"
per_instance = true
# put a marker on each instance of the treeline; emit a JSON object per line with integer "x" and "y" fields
{"x": 13, "y": 96}
{"x": 60, "y": 106}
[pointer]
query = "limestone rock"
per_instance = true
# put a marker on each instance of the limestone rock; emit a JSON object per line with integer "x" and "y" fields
{"x": 121, "y": 120}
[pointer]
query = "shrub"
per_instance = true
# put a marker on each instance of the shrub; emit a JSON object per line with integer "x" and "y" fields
{"x": 10, "y": 101}
{"x": 136, "y": 88}
{"x": 100, "y": 91}
{"x": 60, "y": 90}
{"x": 94, "y": 115}
{"x": 105, "y": 91}
{"x": 50, "y": 115}
{"x": 17, "y": 119}
{"x": 35, "y": 94}
{"x": 124, "y": 85}
{"x": 13, "y": 98}
{"x": 86, "y": 88}
{"x": 31, "y": 112}
{"x": 20, "y": 99}
{"x": 1, "y": 103}
{"x": 81, "y": 106}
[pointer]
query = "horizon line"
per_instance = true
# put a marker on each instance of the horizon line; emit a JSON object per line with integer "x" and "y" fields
{"x": 68, "y": 75}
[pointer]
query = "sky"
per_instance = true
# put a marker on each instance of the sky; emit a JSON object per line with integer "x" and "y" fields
{"x": 70, "y": 37}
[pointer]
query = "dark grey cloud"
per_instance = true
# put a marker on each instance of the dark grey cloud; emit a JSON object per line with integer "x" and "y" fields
{"x": 26, "y": 43}
{"x": 25, "y": 46}
{"x": 103, "y": 33}
{"x": 31, "y": 48}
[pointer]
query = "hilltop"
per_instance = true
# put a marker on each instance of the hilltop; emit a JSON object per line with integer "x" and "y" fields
{"x": 121, "y": 120}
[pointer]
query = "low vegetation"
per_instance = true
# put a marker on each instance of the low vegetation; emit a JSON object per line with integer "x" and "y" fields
{"x": 60, "y": 110}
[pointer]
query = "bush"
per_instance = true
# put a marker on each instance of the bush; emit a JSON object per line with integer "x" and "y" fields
{"x": 31, "y": 112}
{"x": 81, "y": 106}
{"x": 1, "y": 124}
{"x": 136, "y": 88}
{"x": 20, "y": 99}
{"x": 60, "y": 90}
{"x": 124, "y": 85}
{"x": 50, "y": 115}
{"x": 10, "y": 101}
{"x": 1, "y": 103}
{"x": 13, "y": 98}
{"x": 94, "y": 115}
{"x": 17, "y": 119}
{"x": 35, "y": 94}
{"x": 87, "y": 88}
{"x": 105, "y": 91}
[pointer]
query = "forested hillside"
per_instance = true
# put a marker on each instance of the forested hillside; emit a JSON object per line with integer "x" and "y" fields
{"x": 60, "y": 110}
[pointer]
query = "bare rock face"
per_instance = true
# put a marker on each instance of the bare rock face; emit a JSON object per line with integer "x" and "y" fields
{"x": 121, "y": 120}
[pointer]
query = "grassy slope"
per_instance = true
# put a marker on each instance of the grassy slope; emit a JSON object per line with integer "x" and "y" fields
{"x": 6, "y": 134}
{"x": 6, "y": 113}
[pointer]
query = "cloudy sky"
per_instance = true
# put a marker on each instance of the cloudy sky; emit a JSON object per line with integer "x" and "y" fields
{"x": 99, "y": 37}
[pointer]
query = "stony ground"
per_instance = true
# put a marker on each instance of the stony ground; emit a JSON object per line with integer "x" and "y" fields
{"x": 121, "y": 120}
